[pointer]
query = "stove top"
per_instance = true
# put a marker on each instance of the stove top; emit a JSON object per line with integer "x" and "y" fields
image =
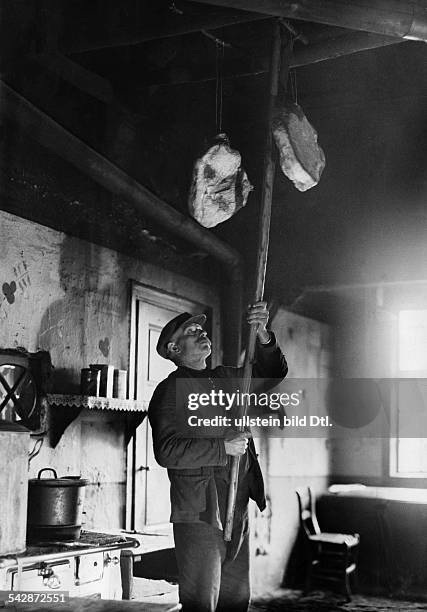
{"x": 89, "y": 541}
{"x": 88, "y": 538}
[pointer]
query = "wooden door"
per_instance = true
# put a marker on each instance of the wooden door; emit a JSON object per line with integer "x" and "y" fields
{"x": 150, "y": 491}
{"x": 151, "y": 481}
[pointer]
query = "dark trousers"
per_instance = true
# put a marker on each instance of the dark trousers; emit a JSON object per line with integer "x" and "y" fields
{"x": 209, "y": 578}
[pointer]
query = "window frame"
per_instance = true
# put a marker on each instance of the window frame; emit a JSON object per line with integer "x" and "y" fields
{"x": 396, "y": 476}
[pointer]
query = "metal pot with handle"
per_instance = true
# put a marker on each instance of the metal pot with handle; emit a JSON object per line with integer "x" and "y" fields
{"x": 55, "y": 507}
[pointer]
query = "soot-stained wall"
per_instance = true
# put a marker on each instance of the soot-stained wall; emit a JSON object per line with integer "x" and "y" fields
{"x": 72, "y": 298}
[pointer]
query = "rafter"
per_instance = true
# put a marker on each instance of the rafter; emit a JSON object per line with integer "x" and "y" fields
{"x": 173, "y": 25}
{"x": 400, "y": 18}
{"x": 253, "y": 64}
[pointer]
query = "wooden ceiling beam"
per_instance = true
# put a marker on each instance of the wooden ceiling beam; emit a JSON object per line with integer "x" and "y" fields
{"x": 253, "y": 65}
{"x": 85, "y": 80}
{"x": 400, "y": 18}
{"x": 135, "y": 33}
{"x": 50, "y": 134}
{"x": 333, "y": 48}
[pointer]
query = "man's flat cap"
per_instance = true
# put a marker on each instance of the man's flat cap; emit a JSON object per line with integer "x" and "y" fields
{"x": 171, "y": 327}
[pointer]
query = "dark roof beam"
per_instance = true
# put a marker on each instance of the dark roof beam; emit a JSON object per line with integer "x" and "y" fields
{"x": 72, "y": 72}
{"x": 401, "y": 18}
{"x": 252, "y": 64}
{"x": 134, "y": 34}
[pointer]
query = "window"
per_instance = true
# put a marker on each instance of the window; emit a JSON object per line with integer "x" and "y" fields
{"x": 409, "y": 453}
{"x": 413, "y": 342}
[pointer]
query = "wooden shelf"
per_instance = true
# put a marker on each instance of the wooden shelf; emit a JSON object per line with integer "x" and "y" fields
{"x": 64, "y": 409}
{"x": 95, "y": 403}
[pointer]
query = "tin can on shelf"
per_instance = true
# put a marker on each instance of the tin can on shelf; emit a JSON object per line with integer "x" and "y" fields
{"x": 106, "y": 375}
{"x": 89, "y": 382}
{"x": 120, "y": 383}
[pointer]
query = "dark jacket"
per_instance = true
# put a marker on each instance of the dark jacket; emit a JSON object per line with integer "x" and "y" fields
{"x": 198, "y": 467}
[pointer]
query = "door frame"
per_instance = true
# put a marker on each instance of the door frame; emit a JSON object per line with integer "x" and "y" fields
{"x": 140, "y": 292}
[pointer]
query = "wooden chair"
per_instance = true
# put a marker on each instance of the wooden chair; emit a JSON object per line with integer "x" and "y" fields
{"x": 333, "y": 556}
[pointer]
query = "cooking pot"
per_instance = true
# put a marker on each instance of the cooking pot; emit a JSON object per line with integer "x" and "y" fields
{"x": 14, "y": 444}
{"x": 55, "y": 507}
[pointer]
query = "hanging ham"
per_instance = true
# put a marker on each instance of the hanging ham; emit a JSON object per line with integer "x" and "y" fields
{"x": 220, "y": 187}
{"x": 301, "y": 158}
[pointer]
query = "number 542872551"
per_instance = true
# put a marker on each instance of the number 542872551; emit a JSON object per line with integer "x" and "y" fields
{"x": 23, "y": 597}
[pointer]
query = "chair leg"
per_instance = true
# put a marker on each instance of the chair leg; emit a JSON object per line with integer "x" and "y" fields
{"x": 355, "y": 580}
{"x": 347, "y": 587}
{"x": 307, "y": 585}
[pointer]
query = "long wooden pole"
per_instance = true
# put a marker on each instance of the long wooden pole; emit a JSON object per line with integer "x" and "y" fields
{"x": 264, "y": 234}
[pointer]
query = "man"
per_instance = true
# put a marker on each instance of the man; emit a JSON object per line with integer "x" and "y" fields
{"x": 213, "y": 574}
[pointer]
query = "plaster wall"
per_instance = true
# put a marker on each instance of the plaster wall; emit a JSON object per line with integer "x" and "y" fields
{"x": 289, "y": 463}
{"x": 72, "y": 298}
{"x": 366, "y": 345}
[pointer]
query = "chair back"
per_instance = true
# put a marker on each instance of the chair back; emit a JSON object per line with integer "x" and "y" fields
{"x": 307, "y": 511}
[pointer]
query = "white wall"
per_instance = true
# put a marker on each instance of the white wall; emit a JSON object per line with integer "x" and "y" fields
{"x": 72, "y": 299}
{"x": 289, "y": 463}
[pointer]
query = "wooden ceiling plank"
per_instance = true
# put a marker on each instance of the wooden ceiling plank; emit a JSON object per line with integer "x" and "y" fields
{"x": 85, "y": 80}
{"x": 400, "y": 18}
{"x": 334, "y": 48}
{"x": 325, "y": 50}
{"x": 175, "y": 25}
